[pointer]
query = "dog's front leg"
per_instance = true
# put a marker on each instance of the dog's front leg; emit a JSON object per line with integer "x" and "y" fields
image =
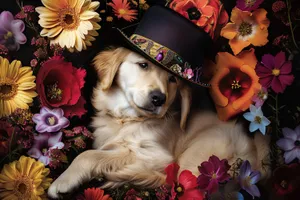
{"x": 89, "y": 164}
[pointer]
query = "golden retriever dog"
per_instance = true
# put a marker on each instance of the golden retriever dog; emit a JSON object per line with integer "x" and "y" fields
{"x": 138, "y": 132}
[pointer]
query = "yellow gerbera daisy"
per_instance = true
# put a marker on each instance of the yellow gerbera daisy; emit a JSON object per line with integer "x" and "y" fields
{"x": 69, "y": 23}
{"x": 16, "y": 86}
{"x": 24, "y": 179}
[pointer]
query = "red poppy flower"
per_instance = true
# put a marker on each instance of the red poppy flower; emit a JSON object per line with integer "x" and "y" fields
{"x": 59, "y": 85}
{"x": 207, "y": 14}
{"x": 213, "y": 172}
{"x": 286, "y": 181}
{"x": 94, "y": 194}
{"x": 234, "y": 83}
{"x": 185, "y": 187}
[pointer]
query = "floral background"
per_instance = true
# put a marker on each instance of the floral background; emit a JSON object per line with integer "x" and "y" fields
{"x": 46, "y": 80}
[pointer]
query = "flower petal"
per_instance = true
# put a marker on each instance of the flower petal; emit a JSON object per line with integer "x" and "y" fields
{"x": 248, "y": 57}
{"x": 245, "y": 169}
{"x": 260, "y": 38}
{"x": 289, "y": 133}
{"x": 286, "y": 144}
{"x": 229, "y": 31}
{"x": 249, "y": 116}
{"x": 55, "y": 138}
{"x": 253, "y": 190}
{"x": 280, "y": 59}
{"x": 171, "y": 171}
{"x": 289, "y": 156}
{"x": 203, "y": 181}
{"x": 255, "y": 177}
{"x": 34, "y": 152}
{"x": 6, "y": 18}
{"x": 187, "y": 179}
{"x": 238, "y": 45}
{"x": 276, "y": 85}
{"x": 285, "y": 68}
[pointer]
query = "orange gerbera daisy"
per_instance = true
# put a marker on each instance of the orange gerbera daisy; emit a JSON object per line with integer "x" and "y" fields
{"x": 234, "y": 83}
{"x": 122, "y": 9}
{"x": 246, "y": 28}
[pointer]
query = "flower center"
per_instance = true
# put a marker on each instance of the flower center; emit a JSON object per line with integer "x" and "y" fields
{"x": 262, "y": 95}
{"x": 68, "y": 18}
{"x": 8, "y": 89}
{"x": 53, "y": 92}
{"x": 257, "y": 119}
{"x": 193, "y": 13}
{"x": 245, "y": 29}
{"x": 51, "y": 120}
{"x": 235, "y": 85}
{"x": 179, "y": 189}
{"x": 8, "y": 35}
{"x": 297, "y": 143}
{"x": 247, "y": 181}
{"x": 23, "y": 187}
{"x": 283, "y": 184}
{"x": 249, "y": 3}
{"x": 214, "y": 176}
{"x": 276, "y": 72}
{"x": 122, "y": 11}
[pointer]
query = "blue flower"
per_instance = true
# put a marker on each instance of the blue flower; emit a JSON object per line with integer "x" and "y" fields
{"x": 257, "y": 119}
{"x": 290, "y": 144}
{"x": 249, "y": 178}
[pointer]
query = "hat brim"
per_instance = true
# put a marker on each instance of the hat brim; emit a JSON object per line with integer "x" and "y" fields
{"x": 125, "y": 41}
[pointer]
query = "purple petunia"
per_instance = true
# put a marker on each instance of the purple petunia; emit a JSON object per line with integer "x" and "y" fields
{"x": 50, "y": 120}
{"x": 249, "y": 178}
{"x": 11, "y": 31}
{"x": 248, "y": 5}
{"x": 290, "y": 144}
{"x": 43, "y": 144}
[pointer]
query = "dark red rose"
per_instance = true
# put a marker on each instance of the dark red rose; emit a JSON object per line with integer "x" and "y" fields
{"x": 59, "y": 85}
{"x": 286, "y": 181}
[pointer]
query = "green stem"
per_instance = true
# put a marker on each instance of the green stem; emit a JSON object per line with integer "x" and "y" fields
{"x": 276, "y": 115}
{"x": 290, "y": 22}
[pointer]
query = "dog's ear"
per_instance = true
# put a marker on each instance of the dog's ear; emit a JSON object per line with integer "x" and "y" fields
{"x": 107, "y": 63}
{"x": 186, "y": 100}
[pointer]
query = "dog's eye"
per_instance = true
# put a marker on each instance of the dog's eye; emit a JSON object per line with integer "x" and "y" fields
{"x": 172, "y": 79}
{"x": 143, "y": 65}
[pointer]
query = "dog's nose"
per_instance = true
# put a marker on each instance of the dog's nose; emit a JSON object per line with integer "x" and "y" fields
{"x": 157, "y": 98}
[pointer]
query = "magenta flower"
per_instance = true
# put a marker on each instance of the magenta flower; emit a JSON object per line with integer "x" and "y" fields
{"x": 11, "y": 31}
{"x": 290, "y": 144}
{"x": 260, "y": 97}
{"x": 248, "y": 5}
{"x": 43, "y": 144}
{"x": 188, "y": 73}
{"x": 275, "y": 72}
{"x": 50, "y": 120}
{"x": 249, "y": 178}
{"x": 213, "y": 172}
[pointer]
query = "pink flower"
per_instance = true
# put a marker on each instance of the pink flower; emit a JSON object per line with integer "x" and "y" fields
{"x": 186, "y": 185}
{"x": 11, "y": 31}
{"x": 275, "y": 72}
{"x": 213, "y": 172}
{"x": 248, "y": 5}
{"x": 43, "y": 144}
{"x": 260, "y": 97}
{"x": 188, "y": 73}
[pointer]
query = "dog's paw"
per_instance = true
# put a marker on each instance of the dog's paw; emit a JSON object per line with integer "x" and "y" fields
{"x": 60, "y": 187}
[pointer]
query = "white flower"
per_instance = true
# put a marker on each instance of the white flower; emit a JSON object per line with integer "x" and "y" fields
{"x": 257, "y": 119}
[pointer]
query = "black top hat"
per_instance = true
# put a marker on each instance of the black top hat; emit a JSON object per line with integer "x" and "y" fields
{"x": 172, "y": 42}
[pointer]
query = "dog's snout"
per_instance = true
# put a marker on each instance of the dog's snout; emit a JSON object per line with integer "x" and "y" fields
{"x": 157, "y": 98}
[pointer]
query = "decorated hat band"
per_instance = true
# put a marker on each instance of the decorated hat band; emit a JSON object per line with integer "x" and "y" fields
{"x": 169, "y": 59}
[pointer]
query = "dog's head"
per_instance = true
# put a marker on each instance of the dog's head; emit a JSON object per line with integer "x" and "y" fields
{"x": 148, "y": 89}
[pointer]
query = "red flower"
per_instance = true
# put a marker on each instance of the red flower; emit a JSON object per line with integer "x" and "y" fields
{"x": 59, "y": 85}
{"x": 286, "y": 181}
{"x": 275, "y": 72}
{"x": 185, "y": 187}
{"x": 6, "y": 131}
{"x": 207, "y": 14}
{"x": 132, "y": 195}
{"x": 94, "y": 194}
{"x": 213, "y": 172}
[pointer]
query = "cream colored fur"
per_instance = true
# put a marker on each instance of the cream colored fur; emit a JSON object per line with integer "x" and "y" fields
{"x": 134, "y": 146}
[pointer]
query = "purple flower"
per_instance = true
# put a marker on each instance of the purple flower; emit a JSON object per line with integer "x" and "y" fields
{"x": 213, "y": 172}
{"x": 43, "y": 144}
{"x": 248, "y": 5}
{"x": 50, "y": 120}
{"x": 11, "y": 30}
{"x": 249, "y": 178}
{"x": 290, "y": 144}
{"x": 260, "y": 97}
